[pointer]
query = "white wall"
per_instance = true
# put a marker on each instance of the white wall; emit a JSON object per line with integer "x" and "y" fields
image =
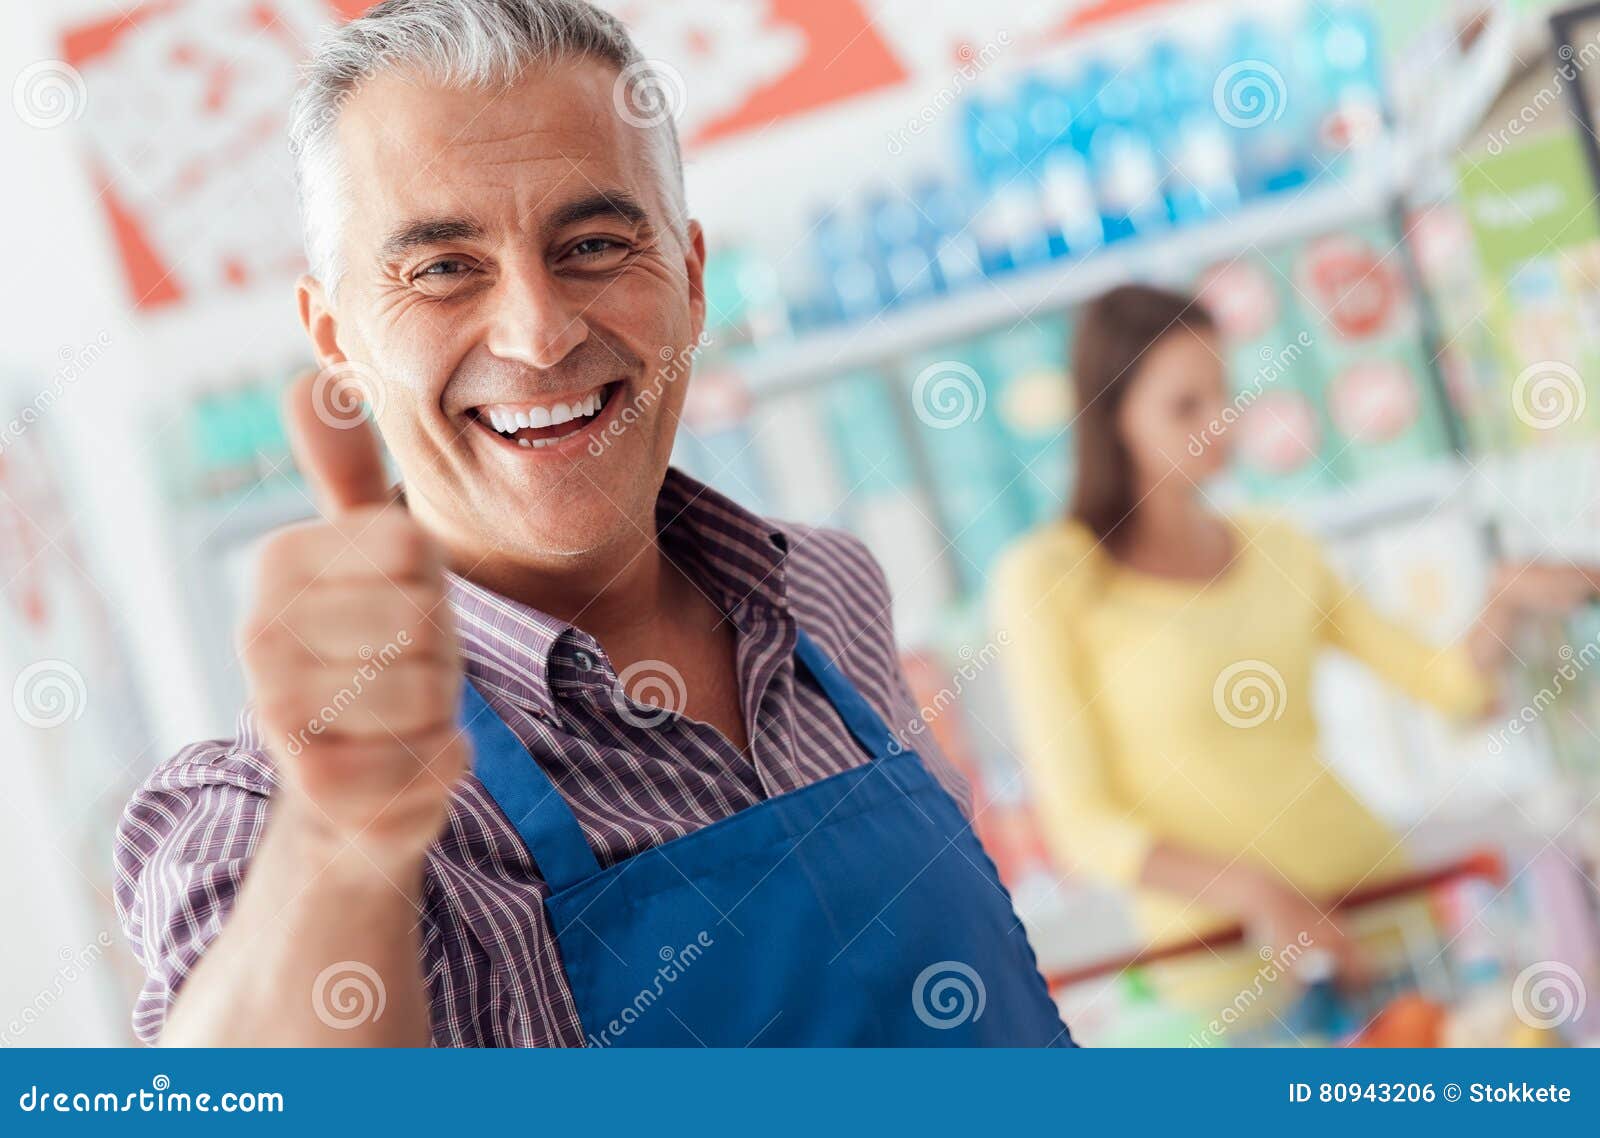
{"x": 62, "y": 292}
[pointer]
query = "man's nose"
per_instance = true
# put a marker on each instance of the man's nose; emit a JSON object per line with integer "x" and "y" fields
{"x": 533, "y": 322}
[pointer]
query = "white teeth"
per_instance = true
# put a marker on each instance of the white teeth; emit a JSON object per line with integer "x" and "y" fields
{"x": 507, "y": 420}
{"x": 525, "y": 442}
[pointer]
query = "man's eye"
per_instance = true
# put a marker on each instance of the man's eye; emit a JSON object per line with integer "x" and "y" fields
{"x": 447, "y": 268}
{"x": 593, "y": 247}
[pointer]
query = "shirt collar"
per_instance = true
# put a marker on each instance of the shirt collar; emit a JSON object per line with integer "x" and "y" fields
{"x": 736, "y": 557}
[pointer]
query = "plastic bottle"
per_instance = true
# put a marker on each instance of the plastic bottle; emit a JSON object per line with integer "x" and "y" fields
{"x": 1200, "y": 180}
{"x": 902, "y": 247}
{"x": 854, "y": 284}
{"x": 1341, "y": 50}
{"x": 1127, "y": 171}
{"x": 1010, "y": 223}
{"x": 1071, "y": 214}
{"x": 1266, "y": 121}
{"x": 952, "y": 243}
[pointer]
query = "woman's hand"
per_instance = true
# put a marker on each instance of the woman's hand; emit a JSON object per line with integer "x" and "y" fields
{"x": 1521, "y": 590}
{"x": 1276, "y": 916}
{"x": 1274, "y": 913}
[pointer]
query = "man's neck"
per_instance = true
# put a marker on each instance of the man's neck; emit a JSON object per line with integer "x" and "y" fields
{"x": 614, "y": 598}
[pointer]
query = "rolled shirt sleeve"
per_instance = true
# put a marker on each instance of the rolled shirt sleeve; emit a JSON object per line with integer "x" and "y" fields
{"x": 182, "y": 848}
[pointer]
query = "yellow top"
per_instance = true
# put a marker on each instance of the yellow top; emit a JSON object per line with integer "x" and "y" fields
{"x": 1152, "y": 708}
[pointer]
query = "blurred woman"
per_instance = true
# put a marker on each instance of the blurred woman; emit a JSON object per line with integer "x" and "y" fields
{"x": 1161, "y": 655}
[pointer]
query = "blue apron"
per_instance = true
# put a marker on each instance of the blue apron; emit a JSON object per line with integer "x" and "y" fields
{"x": 857, "y": 911}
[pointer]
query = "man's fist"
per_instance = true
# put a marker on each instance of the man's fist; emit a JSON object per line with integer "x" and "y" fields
{"x": 349, "y": 649}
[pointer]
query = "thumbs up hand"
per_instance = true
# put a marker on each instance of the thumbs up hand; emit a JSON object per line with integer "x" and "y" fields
{"x": 350, "y": 652}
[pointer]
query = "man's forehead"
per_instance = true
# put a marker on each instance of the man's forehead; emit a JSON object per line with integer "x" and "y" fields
{"x": 411, "y": 144}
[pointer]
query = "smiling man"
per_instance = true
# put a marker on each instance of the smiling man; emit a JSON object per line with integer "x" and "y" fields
{"x": 553, "y": 745}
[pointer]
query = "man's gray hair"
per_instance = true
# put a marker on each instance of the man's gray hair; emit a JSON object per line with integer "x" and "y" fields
{"x": 460, "y": 44}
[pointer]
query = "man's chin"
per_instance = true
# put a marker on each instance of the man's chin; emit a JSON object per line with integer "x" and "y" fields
{"x": 576, "y": 521}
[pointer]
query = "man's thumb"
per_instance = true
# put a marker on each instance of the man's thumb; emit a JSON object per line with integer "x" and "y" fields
{"x": 334, "y": 444}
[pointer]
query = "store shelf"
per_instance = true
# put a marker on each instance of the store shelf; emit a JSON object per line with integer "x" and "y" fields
{"x": 1406, "y": 495}
{"x": 1394, "y": 498}
{"x": 1477, "y": 80}
{"x": 1387, "y": 175}
{"x": 1318, "y": 208}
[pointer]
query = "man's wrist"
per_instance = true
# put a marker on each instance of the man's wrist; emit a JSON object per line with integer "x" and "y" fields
{"x": 321, "y": 850}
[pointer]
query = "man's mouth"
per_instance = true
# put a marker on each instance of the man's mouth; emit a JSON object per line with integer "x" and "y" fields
{"x": 548, "y": 422}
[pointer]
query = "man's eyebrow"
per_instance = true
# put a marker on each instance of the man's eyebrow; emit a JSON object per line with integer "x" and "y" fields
{"x": 430, "y": 231}
{"x": 615, "y": 203}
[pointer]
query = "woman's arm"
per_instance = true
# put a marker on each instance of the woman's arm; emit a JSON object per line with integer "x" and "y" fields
{"x": 1445, "y": 676}
{"x": 1052, "y": 710}
{"x": 1460, "y": 678}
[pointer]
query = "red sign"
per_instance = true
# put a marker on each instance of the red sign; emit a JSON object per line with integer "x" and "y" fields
{"x": 1352, "y": 285}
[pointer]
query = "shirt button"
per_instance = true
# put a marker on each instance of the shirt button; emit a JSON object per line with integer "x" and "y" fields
{"x": 585, "y": 661}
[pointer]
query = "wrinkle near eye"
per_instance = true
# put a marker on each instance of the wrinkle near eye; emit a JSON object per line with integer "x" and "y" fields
{"x": 393, "y": 303}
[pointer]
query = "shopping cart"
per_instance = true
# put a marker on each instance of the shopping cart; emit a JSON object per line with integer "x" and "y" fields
{"x": 1441, "y": 976}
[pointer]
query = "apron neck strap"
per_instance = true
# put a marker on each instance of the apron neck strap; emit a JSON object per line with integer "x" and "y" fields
{"x": 864, "y": 723}
{"x": 542, "y": 818}
{"x": 524, "y": 791}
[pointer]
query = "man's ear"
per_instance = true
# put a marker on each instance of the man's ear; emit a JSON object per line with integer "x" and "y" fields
{"x": 319, "y": 321}
{"x": 694, "y": 267}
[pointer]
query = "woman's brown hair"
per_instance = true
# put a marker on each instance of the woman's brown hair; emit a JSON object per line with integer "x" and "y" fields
{"x": 1114, "y": 331}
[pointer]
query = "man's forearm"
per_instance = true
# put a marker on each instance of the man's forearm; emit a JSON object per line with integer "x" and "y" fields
{"x": 321, "y": 950}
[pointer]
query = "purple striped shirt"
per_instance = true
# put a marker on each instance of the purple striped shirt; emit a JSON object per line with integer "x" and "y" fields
{"x": 493, "y": 972}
